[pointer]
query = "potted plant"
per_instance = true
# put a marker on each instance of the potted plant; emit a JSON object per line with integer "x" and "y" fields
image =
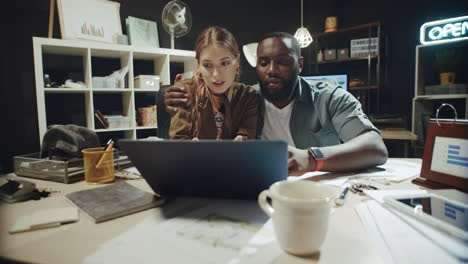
{"x": 447, "y": 61}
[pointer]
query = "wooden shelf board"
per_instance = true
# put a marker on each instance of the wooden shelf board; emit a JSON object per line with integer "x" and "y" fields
{"x": 363, "y": 26}
{"x": 398, "y": 135}
{"x": 347, "y": 59}
{"x": 363, "y": 87}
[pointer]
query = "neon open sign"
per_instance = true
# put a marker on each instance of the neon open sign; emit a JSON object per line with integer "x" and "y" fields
{"x": 444, "y": 30}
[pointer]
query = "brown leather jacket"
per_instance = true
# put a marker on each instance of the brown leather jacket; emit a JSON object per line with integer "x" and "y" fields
{"x": 241, "y": 104}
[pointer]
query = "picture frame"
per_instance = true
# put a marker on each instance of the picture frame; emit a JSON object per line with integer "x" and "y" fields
{"x": 97, "y": 20}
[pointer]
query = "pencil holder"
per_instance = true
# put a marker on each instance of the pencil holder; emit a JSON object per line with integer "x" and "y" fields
{"x": 103, "y": 174}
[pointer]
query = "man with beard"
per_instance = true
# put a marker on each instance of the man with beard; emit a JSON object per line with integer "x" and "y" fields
{"x": 324, "y": 126}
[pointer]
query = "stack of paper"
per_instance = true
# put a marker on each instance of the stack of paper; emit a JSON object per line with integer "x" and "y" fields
{"x": 398, "y": 241}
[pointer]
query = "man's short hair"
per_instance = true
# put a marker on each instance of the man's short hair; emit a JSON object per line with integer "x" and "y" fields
{"x": 295, "y": 45}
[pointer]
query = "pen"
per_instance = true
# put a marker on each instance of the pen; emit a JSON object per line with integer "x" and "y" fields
{"x": 341, "y": 199}
{"x": 109, "y": 146}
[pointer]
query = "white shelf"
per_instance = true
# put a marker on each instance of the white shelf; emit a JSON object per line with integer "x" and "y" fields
{"x": 442, "y": 96}
{"x": 146, "y": 127}
{"x": 123, "y": 54}
{"x": 114, "y": 129}
{"x": 140, "y": 90}
{"x": 110, "y": 90}
{"x": 66, "y": 90}
{"x": 424, "y": 104}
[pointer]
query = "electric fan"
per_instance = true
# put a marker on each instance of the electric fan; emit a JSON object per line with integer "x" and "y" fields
{"x": 177, "y": 19}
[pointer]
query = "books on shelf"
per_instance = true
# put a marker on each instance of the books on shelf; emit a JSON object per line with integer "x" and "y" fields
{"x": 142, "y": 32}
{"x": 101, "y": 119}
{"x": 112, "y": 201}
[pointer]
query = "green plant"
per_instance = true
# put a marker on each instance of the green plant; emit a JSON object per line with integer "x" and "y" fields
{"x": 448, "y": 60}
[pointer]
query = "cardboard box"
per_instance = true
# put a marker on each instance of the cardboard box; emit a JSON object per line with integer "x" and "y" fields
{"x": 147, "y": 82}
{"x": 343, "y": 53}
{"x": 330, "y": 54}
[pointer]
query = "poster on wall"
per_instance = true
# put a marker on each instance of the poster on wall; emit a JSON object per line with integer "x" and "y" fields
{"x": 97, "y": 20}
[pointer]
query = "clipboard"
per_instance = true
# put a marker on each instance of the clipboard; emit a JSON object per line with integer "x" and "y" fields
{"x": 445, "y": 158}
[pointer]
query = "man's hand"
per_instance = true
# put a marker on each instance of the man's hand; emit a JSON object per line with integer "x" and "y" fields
{"x": 175, "y": 96}
{"x": 299, "y": 161}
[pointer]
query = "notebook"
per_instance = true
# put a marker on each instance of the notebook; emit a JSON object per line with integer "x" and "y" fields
{"x": 112, "y": 201}
{"x": 209, "y": 168}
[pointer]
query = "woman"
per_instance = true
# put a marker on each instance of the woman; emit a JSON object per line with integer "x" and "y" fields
{"x": 219, "y": 107}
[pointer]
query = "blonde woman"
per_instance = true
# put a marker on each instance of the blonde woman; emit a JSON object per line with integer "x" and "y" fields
{"x": 218, "y": 106}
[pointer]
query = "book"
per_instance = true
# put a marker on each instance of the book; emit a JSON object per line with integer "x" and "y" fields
{"x": 142, "y": 32}
{"x": 112, "y": 201}
{"x": 102, "y": 120}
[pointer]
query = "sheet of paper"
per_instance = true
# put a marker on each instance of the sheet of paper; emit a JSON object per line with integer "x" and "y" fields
{"x": 397, "y": 241}
{"x": 23, "y": 223}
{"x": 378, "y": 195}
{"x": 392, "y": 171}
{"x": 55, "y": 215}
{"x": 215, "y": 233}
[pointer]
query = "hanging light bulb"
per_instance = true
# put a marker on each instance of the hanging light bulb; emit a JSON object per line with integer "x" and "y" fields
{"x": 302, "y": 34}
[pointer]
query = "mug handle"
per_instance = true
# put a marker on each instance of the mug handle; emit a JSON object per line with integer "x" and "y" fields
{"x": 262, "y": 201}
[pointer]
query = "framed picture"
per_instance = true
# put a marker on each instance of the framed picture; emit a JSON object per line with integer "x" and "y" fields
{"x": 97, "y": 20}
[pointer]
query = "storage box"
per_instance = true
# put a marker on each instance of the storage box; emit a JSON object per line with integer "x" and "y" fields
{"x": 104, "y": 82}
{"x": 330, "y": 54}
{"x": 33, "y": 166}
{"x": 342, "y": 53}
{"x": 360, "y": 47}
{"x": 118, "y": 121}
{"x": 147, "y": 82}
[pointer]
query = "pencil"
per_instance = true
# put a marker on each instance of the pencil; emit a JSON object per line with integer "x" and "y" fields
{"x": 110, "y": 144}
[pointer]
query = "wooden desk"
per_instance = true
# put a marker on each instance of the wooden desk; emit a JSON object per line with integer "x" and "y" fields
{"x": 405, "y": 135}
{"x": 347, "y": 240}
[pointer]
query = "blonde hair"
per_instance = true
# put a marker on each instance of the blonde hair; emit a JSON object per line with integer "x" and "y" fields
{"x": 200, "y": 92}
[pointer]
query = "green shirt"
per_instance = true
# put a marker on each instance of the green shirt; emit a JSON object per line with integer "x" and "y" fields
{"x": 324, "y": 115}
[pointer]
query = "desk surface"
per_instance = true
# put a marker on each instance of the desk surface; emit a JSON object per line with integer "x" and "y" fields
{"x": 346, "y": 240}
{"x": 398, "y": 134}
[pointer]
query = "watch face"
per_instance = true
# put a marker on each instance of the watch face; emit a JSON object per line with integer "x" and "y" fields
{"x": 317, "y": 153}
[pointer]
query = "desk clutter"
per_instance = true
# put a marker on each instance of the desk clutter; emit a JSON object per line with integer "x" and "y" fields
{"x": 61, "y": 156}
{"x": 200, "y": 230}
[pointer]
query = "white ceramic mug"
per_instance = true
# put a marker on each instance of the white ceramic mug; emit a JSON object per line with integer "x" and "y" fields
{"x": 300, "y": 211}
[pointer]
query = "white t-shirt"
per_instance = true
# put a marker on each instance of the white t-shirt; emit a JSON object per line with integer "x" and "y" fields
{"x": 276, "y": 124}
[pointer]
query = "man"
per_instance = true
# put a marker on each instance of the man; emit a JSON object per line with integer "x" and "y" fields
{"x": 324, "y": 126}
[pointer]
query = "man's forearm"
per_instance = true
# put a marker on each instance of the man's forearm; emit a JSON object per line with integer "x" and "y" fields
{"x": 364, "y": 151}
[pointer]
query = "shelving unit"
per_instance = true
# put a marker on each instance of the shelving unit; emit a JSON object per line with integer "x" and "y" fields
{"x": 366, "y": 68}
{"x": 425, "y": 105}
{"x": 84, "y": 60}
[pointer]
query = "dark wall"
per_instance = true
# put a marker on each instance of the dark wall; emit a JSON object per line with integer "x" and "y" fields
{"x": 247, "y": 19}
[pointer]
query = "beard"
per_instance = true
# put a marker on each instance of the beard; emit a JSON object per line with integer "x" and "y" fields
{"x": 284, "y": 93}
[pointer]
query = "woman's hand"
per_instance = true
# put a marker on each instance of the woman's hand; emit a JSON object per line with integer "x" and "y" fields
{"x": 238, "y": 138}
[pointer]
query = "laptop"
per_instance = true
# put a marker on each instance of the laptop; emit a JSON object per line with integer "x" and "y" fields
{"x": 209, "y": 168}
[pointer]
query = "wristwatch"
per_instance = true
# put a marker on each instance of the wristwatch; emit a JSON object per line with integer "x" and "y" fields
{"x": 318, "y": 156}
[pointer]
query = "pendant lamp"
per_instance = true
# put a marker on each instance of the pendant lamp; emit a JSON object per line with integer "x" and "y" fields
{"x": 302, "y": 34}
